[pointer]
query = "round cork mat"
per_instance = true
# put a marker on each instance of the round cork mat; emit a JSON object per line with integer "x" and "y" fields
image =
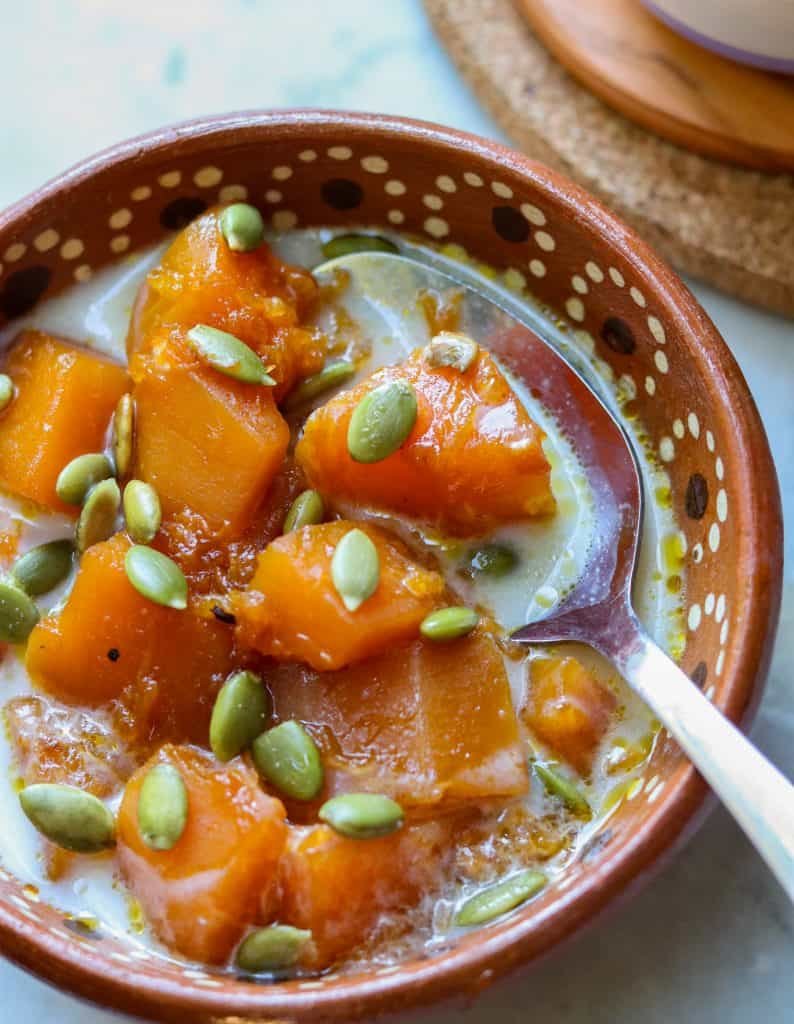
{"x": 658, "y": 78}
{"x": 729, "y": 226}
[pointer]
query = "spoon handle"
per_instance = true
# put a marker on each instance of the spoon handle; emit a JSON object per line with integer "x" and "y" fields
{"x": 759, "y": 797}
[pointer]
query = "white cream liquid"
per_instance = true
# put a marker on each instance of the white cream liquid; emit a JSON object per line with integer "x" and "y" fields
{"x": 552, "y": 554}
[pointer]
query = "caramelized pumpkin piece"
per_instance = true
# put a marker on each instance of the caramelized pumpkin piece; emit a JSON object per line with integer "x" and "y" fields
{"x": 568, "y": 709}
{"x": 64, "y": 399}
{"x": 201, "y": 895}
{"x": 253, "y": 295}
{"x": 111, "y": 643}
{"x": 473, "y": 459}
{"x": 293, "y": 612}
{"x": 429, "y": 724}
{"x": 340, "y": 889}
{"x": 52, "y": 743}
{"x": 206, "y": 443}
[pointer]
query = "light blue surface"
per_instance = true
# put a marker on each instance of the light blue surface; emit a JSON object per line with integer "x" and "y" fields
{"x": 711, "y": 941}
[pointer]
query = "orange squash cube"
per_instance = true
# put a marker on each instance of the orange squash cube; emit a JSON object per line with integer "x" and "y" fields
{"x": 206, "y": 443}
{"x": 340, "y": 888}
{"x": 473, "y": 459}
{"x": 291, "y": 610}
{"x": 431, "y": 725}
{"x": 109, "y": 643}
{"x": 253, "y": 295}
{"x": 568, "y": 709}
{"x": 201, "y": 895}
{"x": 64, "y": 399}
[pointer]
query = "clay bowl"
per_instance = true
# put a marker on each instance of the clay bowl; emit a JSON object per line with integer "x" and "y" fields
{"x": 623, "y": 305}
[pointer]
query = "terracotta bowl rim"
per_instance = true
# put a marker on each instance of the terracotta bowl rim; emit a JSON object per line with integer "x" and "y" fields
{"x": 493, "y": 952}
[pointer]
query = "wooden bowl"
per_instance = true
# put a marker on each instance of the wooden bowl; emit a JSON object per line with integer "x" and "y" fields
{"x": 625, "y": 307}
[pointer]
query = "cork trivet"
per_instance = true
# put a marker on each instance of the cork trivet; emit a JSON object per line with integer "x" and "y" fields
{"x": 730, "y": 227}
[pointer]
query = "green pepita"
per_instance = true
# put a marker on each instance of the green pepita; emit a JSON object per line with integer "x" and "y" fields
{"x": 162, "y": 807}
{"x": 355, "y": 569}
{"x": 494, "y": 560}
{"x": 558, "y": 786}
{"x": 228, "y": 355}
{"x": 382, "y": 421}
{"x": 156, "y": 576}
{"x": 500, "y": 898}
{"x": 97, "y": 520}
{"x": 69, "y": 817}
{"x": 347, "y": 245}
{"x": 43, "y": 567}
{"x": 451, "y": 349}
{"x": 306, "y": 510}
{"x": 242, "y": 227}
{"x": 275, "y": 948}
{"x": 141, "y": 511}
{"x": 123, "y": 434}
{"x": 78, "y": 477}
{"x": 362, "y": 815}
{"x": 288, "y": 758}
{"x": 6, "y": 390}
{"x": 241, "y": 711}
{"x": 332, "y": 375}
{"x": 449, "y": 623}
{"x": 18, "y": 613}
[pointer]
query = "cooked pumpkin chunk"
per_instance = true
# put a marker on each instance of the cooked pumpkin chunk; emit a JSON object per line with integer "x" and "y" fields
{"x": 52, "y": 743}
{"x": 473, "y": 459}
{"x": 206, "y": 443}
{"x": 201, "y": 895}
{"x": 340, "y": 889}
{"x": 252, "y": 295}
{"x": 568, "y": 709}
{"x": 427, "y": 724}
{"x": 111, "y": 643}
{"x": 64, "y": 399}
{"x": 293, "y": 612}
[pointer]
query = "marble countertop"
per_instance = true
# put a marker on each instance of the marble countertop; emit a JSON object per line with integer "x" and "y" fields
{"x": 711, "y": 940}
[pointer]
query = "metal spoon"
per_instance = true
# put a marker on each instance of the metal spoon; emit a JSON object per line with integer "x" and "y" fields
{"x": 598, "y": 611}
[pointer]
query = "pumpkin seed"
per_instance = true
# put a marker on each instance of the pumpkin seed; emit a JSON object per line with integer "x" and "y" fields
{"x": 449, "y": 623}
{"x": 355, "y": 569}
{"x": 43, "y": 567}
{"x": 228, "y": 355}
{"x": 347, "y": 245}
{"x": 558, "y": 786}
{"x": 162, "y": 807}
{"x": 6, "y": 390}
{"x": 272, "y": 949}
{"x": 306, "y": 510}
{"x": 498, "y": 899}
{"x": 18, "y": 614}
{"x": 141, "y": 511}
{"x": 362, "y": 815}
{"x": 77, "y": 478}
{"x": 241, "y": 711}
{"x": 288, "y": 758}
{"x": 123, "y": 434}
{"x": 97, "y": 520}
{"x": 69, "y": 817}
{"x": 242, "y": 227}
{"x": 382, "y": 421}
{"x": 331, "y": 375}
{"x": 156, "y": 576}
{"x": 451, "y": 349}
{"x": 494, "y": 560}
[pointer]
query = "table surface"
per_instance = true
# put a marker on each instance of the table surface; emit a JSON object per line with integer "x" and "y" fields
{"x": 709, "y": 941}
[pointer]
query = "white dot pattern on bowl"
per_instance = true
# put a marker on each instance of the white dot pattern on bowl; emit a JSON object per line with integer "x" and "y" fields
{"x": 208, "y": 177}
